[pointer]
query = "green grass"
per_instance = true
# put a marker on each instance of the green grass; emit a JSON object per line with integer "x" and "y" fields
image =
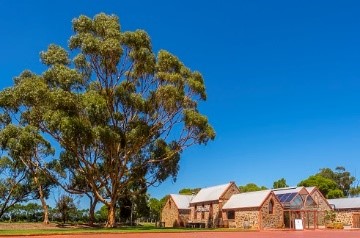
{"x": 138, "y": 229}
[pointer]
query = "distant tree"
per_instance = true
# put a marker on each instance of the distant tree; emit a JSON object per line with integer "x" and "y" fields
{"x": 336, "y": 193}
{"x": 66, "y": 206}
{"x": 354, "y": 191}
{"x": 15, "y": 185}
{"x": 342, "y": 178}
{"x": 189, "y": 191}
{"x": 281, "y": 183}
{"x": 29, "y": 149}
{"x": 251, "y": 187}
{"x": 163, "y": 200}
{"x": 327, "y": 186}
{"x": 155, "y": 209}
{"x": 101, "y": 214}
{"x": 79, "y": 185}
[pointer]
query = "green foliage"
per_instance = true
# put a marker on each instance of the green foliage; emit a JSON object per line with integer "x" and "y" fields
{"x": 281, "y": 183}
{"x": 251, "y": 187}
{"x": 332, "y": 184}
{"x": 343, "y": 178}
{"x": 155, "y": 209}
{"x": 336, "y": 193}
{"x": 325, "y": 185}
{"x": 66, "y": 207}
{"x": 101, "y": 214}
{"x": 189, "y": 191}
{"x": 15, "y": 187}
{"x": 30, "y": 212}
{"x": 354, "y": 191}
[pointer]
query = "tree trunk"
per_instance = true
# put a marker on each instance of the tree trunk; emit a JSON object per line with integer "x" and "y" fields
{"x": 46, "y": 210}
{"x": 111, "y": 215}
{"x": 93, "y": 202}
{"x": 43, "y": 201}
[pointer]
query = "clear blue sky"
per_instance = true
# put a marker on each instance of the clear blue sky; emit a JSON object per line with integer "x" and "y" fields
{"x": 282, "y": 77}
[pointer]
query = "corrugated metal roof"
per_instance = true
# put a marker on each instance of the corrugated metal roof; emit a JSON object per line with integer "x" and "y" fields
{"x": 182, "y": 201}
{"x": 343, "y": 203}
{"x": 210, "y": 193}
{"x": 244, "y": 200}
{"x": 287, "y": 190}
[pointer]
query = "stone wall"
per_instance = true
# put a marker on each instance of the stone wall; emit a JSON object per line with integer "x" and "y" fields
{"x": 207, "y": 213}
{"x": 172, "y": 217}
{"x": 210, "y": 212}
{"x": 274, "y": 220}
{"x": 247, "y": 219}
{"x": 322, "y": 206}
{"x": 345, "y": 216}
{"x": 232, "y": 189}
{"x": 258, "y": 218}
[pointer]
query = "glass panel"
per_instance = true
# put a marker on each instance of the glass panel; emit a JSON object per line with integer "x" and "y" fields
{"x": 310, "y": 202}
{"x": 296, "y": 203}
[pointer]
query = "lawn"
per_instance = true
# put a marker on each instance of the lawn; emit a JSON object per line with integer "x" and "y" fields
{"x": 11, "y": 229}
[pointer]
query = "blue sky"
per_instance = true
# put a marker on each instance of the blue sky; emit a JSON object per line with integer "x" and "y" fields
{"x": 282, "y": 77}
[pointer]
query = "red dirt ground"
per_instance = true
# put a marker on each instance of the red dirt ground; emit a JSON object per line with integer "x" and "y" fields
{"x": 262, "y": 234}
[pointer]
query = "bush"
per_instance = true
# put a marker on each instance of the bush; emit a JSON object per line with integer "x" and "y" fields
{"x": 335, "y": 225}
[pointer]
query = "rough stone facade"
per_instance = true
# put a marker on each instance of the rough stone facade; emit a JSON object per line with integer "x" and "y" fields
{"x": 346, "y": 216}
{"x": 247, "y": 219}
{"x": 172, "y": 216}
{"x": 322, "y": 206}
{"x": 210, "y": 212}
{"x": 274, "y": 219}
{"x": 258, "y": 217}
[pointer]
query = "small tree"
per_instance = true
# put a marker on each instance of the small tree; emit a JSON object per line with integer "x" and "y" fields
{"x": 15, "y": 185}
{"x": 281, "y": 183}
{"x": 66, "y": 206}
{"x": 330, "y": 216}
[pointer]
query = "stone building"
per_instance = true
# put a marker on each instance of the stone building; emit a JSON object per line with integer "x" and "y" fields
{"x": 302, "y": 203}
{"x": 206, "y": 206}
{"x": 347, "y": 211}
{"x": 322, "y": 205}
{"x": 176, "y": 210}
{"x": 254, "y": 210}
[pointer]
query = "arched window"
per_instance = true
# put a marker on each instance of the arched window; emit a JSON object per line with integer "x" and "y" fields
{"x": 271, "y": 207}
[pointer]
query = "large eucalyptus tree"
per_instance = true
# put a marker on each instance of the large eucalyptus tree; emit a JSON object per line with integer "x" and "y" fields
{"x": 120, "y": 113}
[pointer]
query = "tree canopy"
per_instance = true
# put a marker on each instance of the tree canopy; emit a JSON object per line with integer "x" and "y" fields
{"x": 189, "y": 191}
{"x": 251, "y": 187}
{"x": 332, "y": 184}
{"x": 119, "y": 113}
{"x": 281, "y": 183}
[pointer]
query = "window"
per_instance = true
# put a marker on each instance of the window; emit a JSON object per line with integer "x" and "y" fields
{"x": 169, "y": 203}
{"x": 271, "y": 207}
{"x": 202, "y": 215}
{"x": 231, "y": 214}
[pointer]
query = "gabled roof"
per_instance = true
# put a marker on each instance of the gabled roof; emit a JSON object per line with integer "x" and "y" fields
{"x": 182, "y": 201}
{"x": 344, "y": 203}
{"x": 210, "y": 193}
{"x": 310, "y": 189}
{"x": 246, "y": 200}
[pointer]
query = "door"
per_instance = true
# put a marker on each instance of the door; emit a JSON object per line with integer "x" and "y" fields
{"x": 356, "y": 220}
